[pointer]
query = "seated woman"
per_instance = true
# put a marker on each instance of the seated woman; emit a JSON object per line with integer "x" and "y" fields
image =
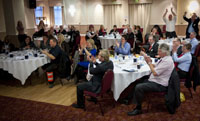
{"x": 6, "y": 46}
{"x": 184, "y": 61}
{"x": 138, "y": 34}
{"x": 102, "y": 31}
{"x": 28, "y": 44}
{"x": 88, "y": 50}
{"x": 93, "y": 35}
{"x": 45, "y": 43}
{"x": 123, "y": 47}
{"x": 155, "y": 33}
{"x": 63, "y": 45}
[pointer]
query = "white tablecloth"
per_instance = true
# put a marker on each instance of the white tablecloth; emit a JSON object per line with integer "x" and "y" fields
{"x": 22, "y": 68}
{"x": 108, "y": 41}
{"x": 123, "y": 79}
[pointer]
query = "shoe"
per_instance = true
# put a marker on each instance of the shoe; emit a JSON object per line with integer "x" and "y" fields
{"x": 134, "y": 112}
{"x": 69, "y": 78}
{"x": 78, "y": 106}
{"x": 92, "y": 99}
{"x": 51, "y": 85}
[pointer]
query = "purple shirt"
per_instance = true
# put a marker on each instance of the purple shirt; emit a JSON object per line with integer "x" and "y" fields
{"x": 163, "y": 68}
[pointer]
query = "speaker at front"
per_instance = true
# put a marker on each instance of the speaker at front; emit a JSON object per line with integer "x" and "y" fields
{"x": 32, "y": 4}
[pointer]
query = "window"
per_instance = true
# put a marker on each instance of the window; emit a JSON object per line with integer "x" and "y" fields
{"x": 38, "y": 14}
{"x": 58, "y": 15}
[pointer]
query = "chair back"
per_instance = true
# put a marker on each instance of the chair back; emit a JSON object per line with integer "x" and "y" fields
{"x": 120, "y": 30}
{"x": 107, "y": 81}
{"x": 197, "y": 51}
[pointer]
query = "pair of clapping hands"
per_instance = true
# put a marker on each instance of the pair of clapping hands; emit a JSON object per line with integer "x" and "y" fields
{"x": 91, "y": 58}
{"x": 146, "y": 57}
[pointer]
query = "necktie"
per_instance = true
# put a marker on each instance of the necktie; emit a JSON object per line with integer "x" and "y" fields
{"x": 180, "y": 55}
{"x": 150, "y": 47}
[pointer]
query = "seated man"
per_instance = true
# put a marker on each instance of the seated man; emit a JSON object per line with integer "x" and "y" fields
{"x": 158, "y": 80}
{"x": 183, "y": 61}
{"x": 123, "y": 47}
{"x": 177, "y": 45}
{"x": 193, "y": 41}
{"x": 54, "y": 54}
{"x": 152, "y": 49}
{"x": 130, "y": 37}
{"x": 114, "y": 30}
{"x": 97, "y": 70}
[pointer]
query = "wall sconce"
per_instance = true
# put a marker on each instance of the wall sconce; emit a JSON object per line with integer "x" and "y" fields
{"x": 193, "y": 6}
{"x": 72, "y": 10}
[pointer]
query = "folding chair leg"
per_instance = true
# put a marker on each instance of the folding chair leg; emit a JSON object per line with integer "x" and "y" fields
{"x": 84, "y": 103}
{"x": 101, "y": 109}
{"x": 148, "y": 106}
{"x": 190, "y": 92}
{"x": 61, "y": 81}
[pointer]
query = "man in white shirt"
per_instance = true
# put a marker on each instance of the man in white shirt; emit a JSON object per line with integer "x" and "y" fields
{"x": 170, "y": 24}
{"x": 158, "y": 80}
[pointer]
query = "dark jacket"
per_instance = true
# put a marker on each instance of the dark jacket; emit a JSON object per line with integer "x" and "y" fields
{"x": 139, "y": 36}
{"x": 102, "y": 33}
{"x": 172, "y": 98}
{"x": 64, "y": 66}
{"x": 98, "y": 74}
{"x": 179, "y": 51}
{"x": 130, "y": 38}
{"x": 31, "y": 44}
{"x": 153, "y": 51}
{"x": 194, "y": 25}
{"x": 112, "y": 30}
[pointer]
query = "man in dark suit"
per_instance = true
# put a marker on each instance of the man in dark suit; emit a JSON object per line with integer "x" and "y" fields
{"x": 114, "y": 30}
{"x": 192, "y": 24}
{"x": 97, "y": 70}
{"x": 130, "y": 37}
{"x": 152, "y": 49}
{"x": 177, "y": 45}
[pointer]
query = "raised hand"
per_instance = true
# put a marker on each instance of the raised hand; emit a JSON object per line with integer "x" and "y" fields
{"x": 185, "y": 13}
{"x": 166, "y": 10}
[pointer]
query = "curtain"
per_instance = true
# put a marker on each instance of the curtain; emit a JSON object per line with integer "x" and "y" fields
{"x": 139, "y": 14}
{"x": 63, "y": 16}
{"x": 112, "y": 16}
{"x": 52, "y": 19}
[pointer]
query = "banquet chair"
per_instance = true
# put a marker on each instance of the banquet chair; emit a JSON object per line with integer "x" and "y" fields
{"x": 171, "y": 95}
{"x": 105, "y": 89}
{"x": 191, "y": 74}
{"x": 64, "y": 68}
{"x": 197, "y": 51}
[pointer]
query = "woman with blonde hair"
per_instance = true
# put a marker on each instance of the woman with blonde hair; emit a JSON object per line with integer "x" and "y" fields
{"x": 88, "y": 49}
{"x": 63, "y": 45}
{"x": 61, "y": 38}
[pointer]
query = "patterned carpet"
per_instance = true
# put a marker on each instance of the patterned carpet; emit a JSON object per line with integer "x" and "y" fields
{"x": 13, "y": 109}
